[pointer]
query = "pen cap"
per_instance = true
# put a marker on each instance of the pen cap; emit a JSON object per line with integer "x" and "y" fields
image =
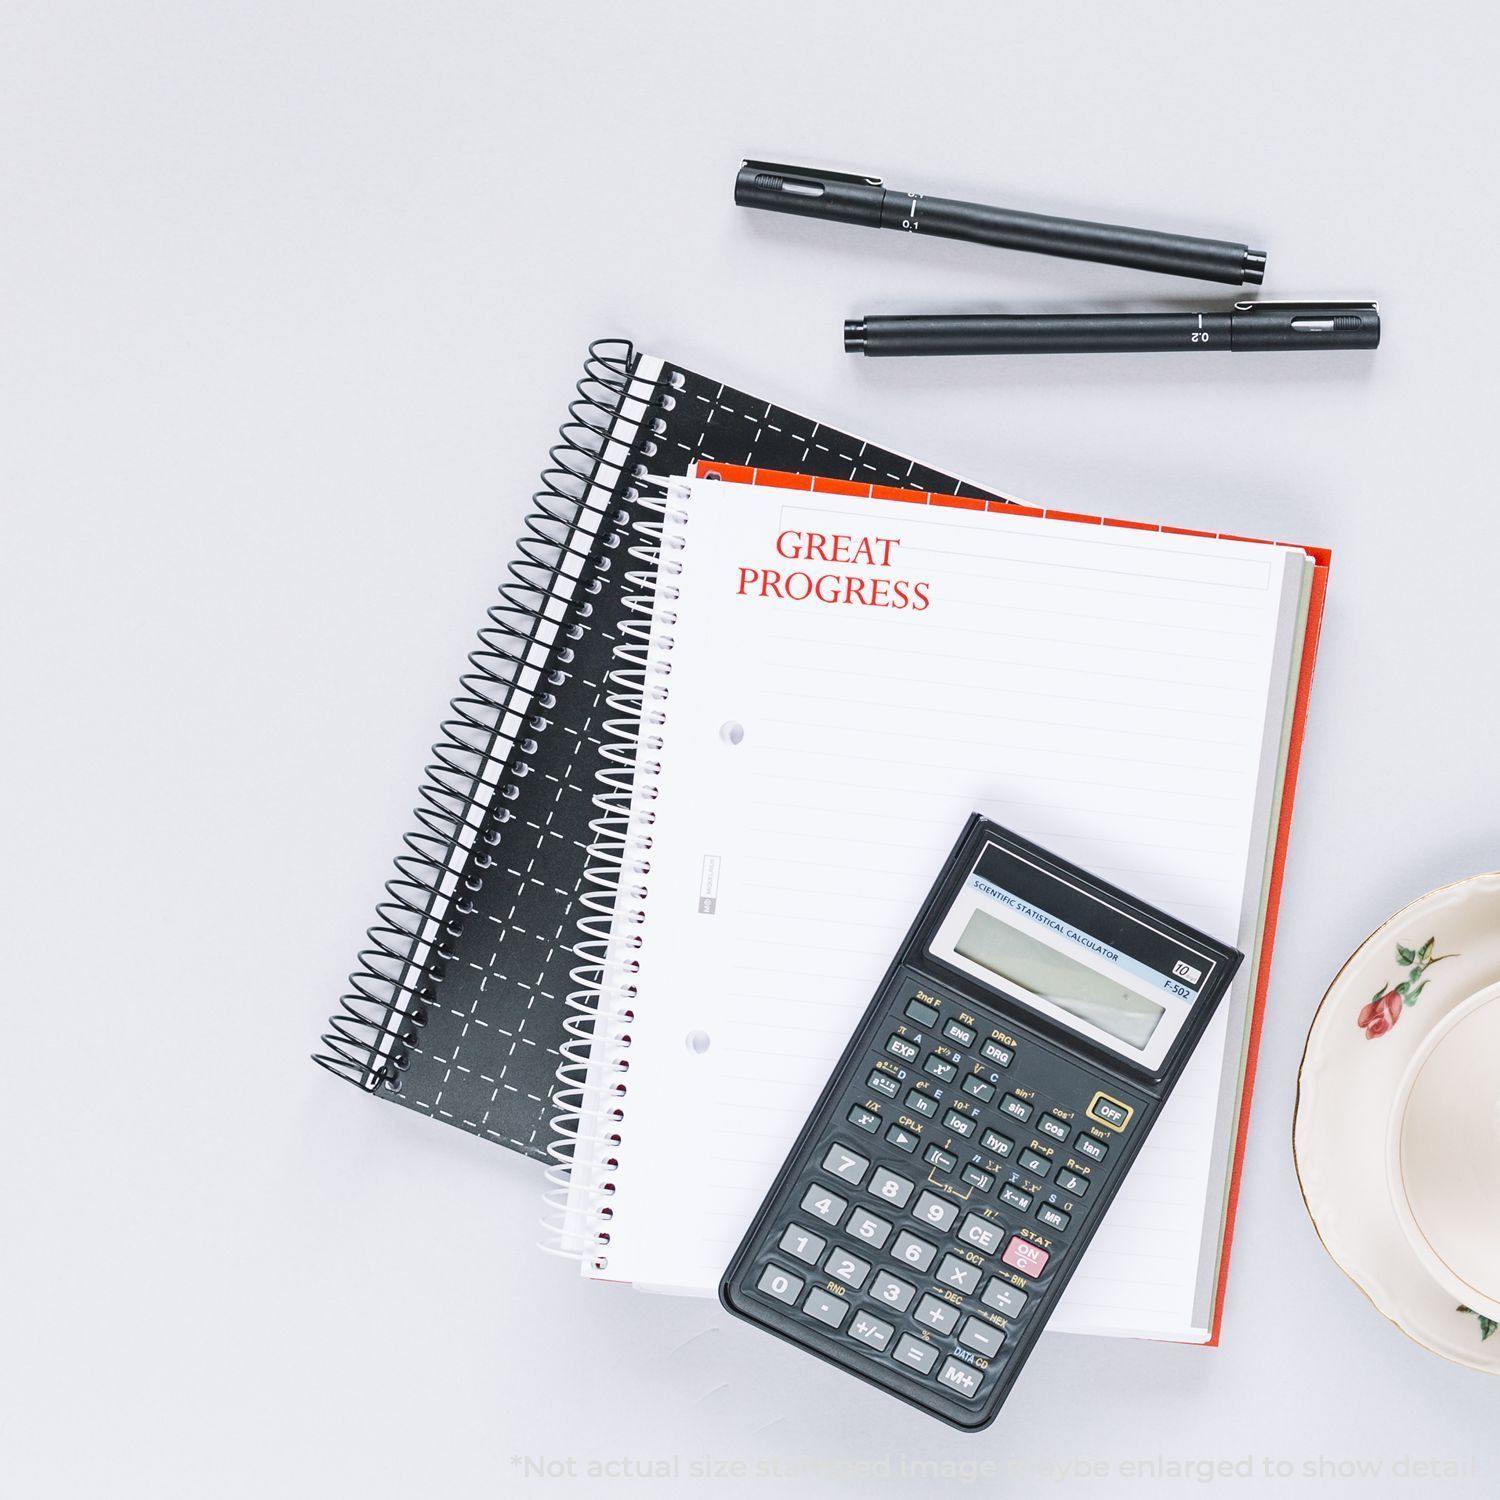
{"x": 1304, "y": 325}
{"x": 814, "y": 194}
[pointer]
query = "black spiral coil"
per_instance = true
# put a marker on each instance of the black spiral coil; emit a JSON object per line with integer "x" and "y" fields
{"x": 442, "y": 869}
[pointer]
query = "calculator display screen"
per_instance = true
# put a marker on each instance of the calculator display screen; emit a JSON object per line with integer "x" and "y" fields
{"x": 1093, "y": 997}
{"x": 1059, "y": 944}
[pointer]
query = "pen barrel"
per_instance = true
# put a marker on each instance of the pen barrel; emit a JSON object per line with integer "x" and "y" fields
{"x": 1075, "y": 239}
{"x": 1060, "y": 333}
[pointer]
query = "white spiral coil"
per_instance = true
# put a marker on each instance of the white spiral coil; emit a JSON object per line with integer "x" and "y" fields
{"x": 592, "y": 1083}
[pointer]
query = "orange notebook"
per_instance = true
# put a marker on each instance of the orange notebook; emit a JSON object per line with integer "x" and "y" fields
{"x": 852, "y": 671}
{"x": 1261, "y": 971}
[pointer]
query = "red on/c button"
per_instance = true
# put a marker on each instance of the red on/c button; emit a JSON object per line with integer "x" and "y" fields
{"x": 1028, "y": 1259}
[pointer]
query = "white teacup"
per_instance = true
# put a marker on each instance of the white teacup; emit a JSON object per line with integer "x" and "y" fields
{"x": 1443, "y": 1152}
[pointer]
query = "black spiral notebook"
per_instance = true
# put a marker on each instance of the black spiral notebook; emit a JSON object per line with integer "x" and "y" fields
{"x": 459, "y": 1006}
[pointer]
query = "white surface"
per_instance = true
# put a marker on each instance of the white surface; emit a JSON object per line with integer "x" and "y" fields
{"x": 1042, "y": 684}
{"x": 292, "y": 298}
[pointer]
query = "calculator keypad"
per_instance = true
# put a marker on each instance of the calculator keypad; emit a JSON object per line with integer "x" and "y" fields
{"x": 925, "y": 1225}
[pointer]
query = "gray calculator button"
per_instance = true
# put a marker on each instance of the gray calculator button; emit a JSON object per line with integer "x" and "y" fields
{"x": 997, "y": 1144}
{"x": 893, "y": 1189}
{"x": 944, "y": 1161}
{"x": 978, "y": 1177}
{"x": 957, "y": 1376}
{"x": 870, "y": 1330}
{"x": 867, "y": 1229}
{"x": 883, "y": 1083}
{"x": 825, "y": 1307}
{"x": 982, "y": 1234}
{"x": 959, "y": 1124}
{"x": 1087, "y": 1146}
{"x": 914, "y": 1252}
{"x": 1071, "y": 1182}
{"x": 849, "y": 1269}
{"x": 1012, "y": 1195}
{"x": 1051, "y": 1125}
{"x": 898, "y": 1046}
{"x": 1038, "y": 1166}
{"x": 1003, "y": 1297}
{"x": 940, "y": 1068}
{"x": 901, "y": 1138}
{"x": 864, "y": 1118}
{"x": 976, "y": 1086}
{"x": 958, "y": 1274}
{"x": 936, "y": 1211}
{"x": 936, "y": 1313}
{"x": 981, "y": 1337}
{"x": 1017, "y": 1109}
{"x": 824, "y": 1204}
{"x": 891, "y": 1291}
{"x": 917, "y": 1353}
{"x": 1053, "y": 1218}
{"x": 803, "y": 1243}
{"x": 956, "y": 1031}
{"x": 784, "y": 1286}
{"x": 849, "y": 1165}
{"x": 918, "y": 1011}
{"x": 997, "y": 1053}
{"x": 921, "y": 1104}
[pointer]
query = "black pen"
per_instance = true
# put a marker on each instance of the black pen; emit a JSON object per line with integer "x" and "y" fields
{"x": 1245, "y": 326}
{"x": 851, "y": 199}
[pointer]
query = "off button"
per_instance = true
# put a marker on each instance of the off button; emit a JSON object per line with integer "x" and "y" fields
{"x": 1110, "y": 1112}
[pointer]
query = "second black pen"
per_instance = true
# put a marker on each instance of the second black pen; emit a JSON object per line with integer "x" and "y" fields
{"x": 1245, "y": 326}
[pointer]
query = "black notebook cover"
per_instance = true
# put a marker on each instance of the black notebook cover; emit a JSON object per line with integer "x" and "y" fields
{"x": 458, "y": 1008}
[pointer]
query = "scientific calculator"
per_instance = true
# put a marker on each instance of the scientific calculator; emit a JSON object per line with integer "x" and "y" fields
{"x": 982, "y": 1117}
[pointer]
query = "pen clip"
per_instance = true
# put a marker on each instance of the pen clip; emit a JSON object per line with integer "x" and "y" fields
{"x": 809, "y": 176}
{"x": 841, "y": 196}
{"x": 1311, "y": 306}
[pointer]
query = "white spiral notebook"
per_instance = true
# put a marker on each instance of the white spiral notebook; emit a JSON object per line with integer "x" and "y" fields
{"x": 830, "y": 684}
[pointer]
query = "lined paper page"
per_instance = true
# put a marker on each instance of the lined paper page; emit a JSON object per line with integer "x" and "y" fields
{"x": 1104, "y": 691}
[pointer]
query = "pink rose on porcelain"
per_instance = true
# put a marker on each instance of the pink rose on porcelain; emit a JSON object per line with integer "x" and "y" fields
{"x": 1377, "y": 1016}
{"x": 1380, "y": 1014}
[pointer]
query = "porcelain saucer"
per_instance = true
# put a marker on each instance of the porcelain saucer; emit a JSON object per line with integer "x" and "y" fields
{"x": 1415, "y": 968}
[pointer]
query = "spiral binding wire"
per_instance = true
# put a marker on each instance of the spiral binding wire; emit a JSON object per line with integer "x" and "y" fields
{"x": 592, "y": 1086}
{"x": 476, "y": 765}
